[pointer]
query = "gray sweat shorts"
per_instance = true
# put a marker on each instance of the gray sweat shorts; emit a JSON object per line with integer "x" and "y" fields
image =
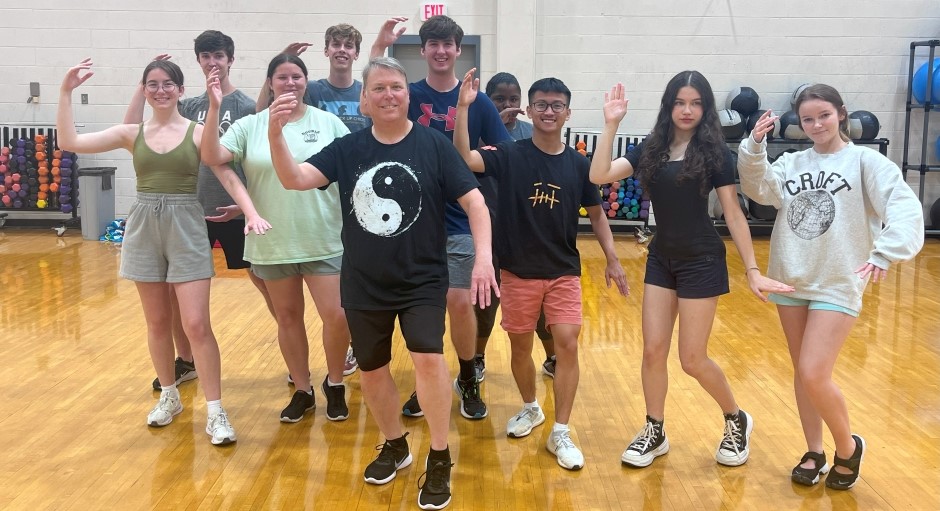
{"x": 165, "y": 240}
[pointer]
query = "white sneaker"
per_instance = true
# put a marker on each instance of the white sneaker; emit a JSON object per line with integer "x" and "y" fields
{"x": 220, "y": 429}
{"x": 168, "y": 406}
{"x": 522, "y": 423}
{"x": 568, "y": 455}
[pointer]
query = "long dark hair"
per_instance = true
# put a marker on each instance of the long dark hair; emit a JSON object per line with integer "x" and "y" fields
{"x": 707, "y": 149}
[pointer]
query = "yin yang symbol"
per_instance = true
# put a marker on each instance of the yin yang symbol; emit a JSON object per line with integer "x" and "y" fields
{"x": 387, "y": 199}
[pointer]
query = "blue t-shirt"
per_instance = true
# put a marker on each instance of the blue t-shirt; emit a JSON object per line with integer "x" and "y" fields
{"x": 438, "y": 110}
{"x": 343, "y": 103}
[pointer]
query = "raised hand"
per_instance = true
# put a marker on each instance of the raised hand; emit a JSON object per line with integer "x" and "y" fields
{"x": 877, "y": 274}
{"x": 77, "y": 75}
{"x": 296, "y": 48}
{"x": 214, "y": 88}
{"x": 280, "y": 110}
{"x": 387, "y": 34}
{"x": 765, "y": 124}
{"x": 468, "y": 89}
{"x": 615, "y": 104}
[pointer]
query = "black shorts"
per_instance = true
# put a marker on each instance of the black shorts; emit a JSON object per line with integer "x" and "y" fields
{"x": 486, "y": 318}
{"x": 701, "y": 277}
{"x": 231, "y": 236}
{"x": 422, "y": 326}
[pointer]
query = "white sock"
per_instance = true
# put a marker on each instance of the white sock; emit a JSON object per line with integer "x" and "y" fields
{"x": 331, "y": 384}
{"x": 559, "y": 428}
{"x": 214, "y": 407}
{"x": 170, "y": 388}
{"x": 533, "y": 404}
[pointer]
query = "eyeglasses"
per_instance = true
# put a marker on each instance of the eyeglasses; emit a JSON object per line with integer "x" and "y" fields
{"x": 165, "y": 86}
{"x": 557, "y": 107}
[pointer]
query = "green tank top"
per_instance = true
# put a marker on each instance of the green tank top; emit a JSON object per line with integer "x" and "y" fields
{"x": 172, "y": 172}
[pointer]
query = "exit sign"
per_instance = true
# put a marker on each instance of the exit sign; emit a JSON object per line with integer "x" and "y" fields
{"x": 428, "y": 10}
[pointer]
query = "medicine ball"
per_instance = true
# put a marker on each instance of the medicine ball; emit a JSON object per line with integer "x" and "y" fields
{"x": 752, "y": 121}
{"x": 790, "y": 126}
{"x": 760, "y": 211}
{"x": 744, "y": 100}
{"x": 935, "y": 214}
{"x": 796, "y": 94}
{"x": 863, "y": 125}
{"x": 732, "y": 124}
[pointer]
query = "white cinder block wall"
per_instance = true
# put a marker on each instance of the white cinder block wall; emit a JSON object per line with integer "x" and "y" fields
{"x": 861, "y": 47}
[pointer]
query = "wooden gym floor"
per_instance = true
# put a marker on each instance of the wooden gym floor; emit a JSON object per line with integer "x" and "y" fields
{"x": 76, "y": 389}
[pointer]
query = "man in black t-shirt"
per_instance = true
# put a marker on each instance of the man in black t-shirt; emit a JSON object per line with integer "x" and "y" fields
{"x": 542, "y": 184}
{"x": 394, "y": 181}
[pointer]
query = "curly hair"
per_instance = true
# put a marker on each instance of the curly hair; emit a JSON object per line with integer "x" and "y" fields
{"x": 707, "y": 150}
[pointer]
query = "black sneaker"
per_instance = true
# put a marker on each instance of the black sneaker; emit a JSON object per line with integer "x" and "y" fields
{"x": 471, "y": 404}
{"x": 435, "y": 491}
{"x": 393, "y": 457}
{"x": 412, "y": 408}
{"x": 336, "y": 409}
{"x": 300, "y": 403}
{"x": 646, "y": 445}
{"x": 734, "y": 448}
{"x": 479, "y": 366}
{"x": 548, "y": 367}
{"x": 839, "y": 481}
{"x": 185, "y": 371}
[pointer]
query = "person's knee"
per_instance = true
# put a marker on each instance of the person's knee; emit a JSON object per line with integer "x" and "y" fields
{"x": 371, "y": 360}
{"x": 458, "y": 303}
{"x": 812, "y": 377}
{"x": 290, "y": 315}
{"x": 655, "y": 354}
{"x": 693, "y": 363}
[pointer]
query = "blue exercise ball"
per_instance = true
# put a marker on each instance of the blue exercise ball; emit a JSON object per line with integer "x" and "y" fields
{"x": 919, "y": 84}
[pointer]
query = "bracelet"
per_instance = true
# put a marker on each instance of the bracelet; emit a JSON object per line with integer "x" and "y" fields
{"x": 751, "y": 268}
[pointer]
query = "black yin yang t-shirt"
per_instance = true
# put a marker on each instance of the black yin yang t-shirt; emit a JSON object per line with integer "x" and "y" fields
{"x": 393, "y": 196}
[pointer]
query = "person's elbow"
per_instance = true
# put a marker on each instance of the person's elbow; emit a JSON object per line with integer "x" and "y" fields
{"x": 212, "y": 158}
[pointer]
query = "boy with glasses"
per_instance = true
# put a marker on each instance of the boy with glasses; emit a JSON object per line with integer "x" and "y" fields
{"x": 542, "y": 184}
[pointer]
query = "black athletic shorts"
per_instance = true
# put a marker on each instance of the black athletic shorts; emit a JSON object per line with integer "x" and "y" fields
{"x": 422, "y": 326}
{"x": 231, "y": 236}
{"x": 701, "y": 277}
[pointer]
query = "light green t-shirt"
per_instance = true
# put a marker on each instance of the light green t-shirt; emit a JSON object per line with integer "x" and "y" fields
{"x": 306, "y": 225}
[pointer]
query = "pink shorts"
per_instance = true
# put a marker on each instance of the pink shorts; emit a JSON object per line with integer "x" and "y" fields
{"x": 522, "y": 299}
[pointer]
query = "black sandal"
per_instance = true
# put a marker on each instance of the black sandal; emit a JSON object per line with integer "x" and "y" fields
{"x": 810, "y": 476}
{"x": 838, "y": 481}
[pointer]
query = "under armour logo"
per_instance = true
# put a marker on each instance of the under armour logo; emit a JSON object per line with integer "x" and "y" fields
{"x": 427, "y": 114}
